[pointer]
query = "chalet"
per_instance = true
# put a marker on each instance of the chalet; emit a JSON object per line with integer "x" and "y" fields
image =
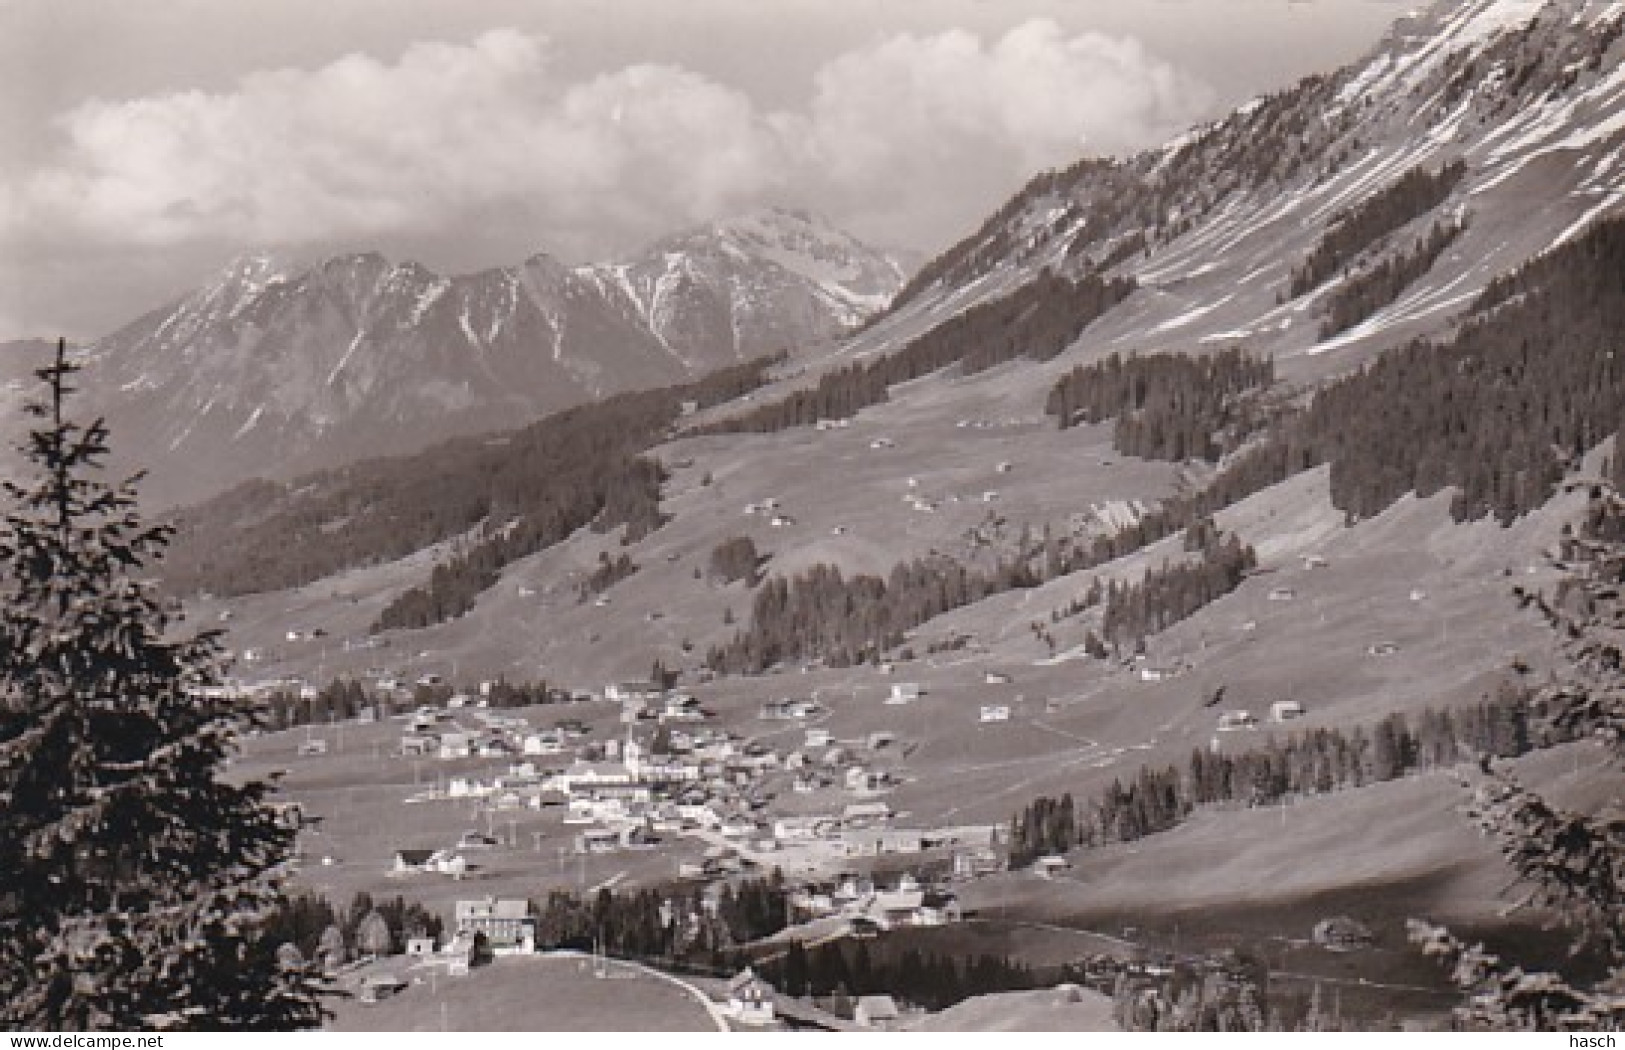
{"x": 412, "y": 860}
{"x": 904, "y": 693}
{"x": 1285, "y": 710}
{"x": 938, "y": 909}
{"x": 375, "y": 988}
{"x": 414, "y": 745}
{"x": 420, "y": 946}
{"x": 1149, "y": 673}
{"x": 817, "y": 738}
{"x": 996, "y": 678}
{"x": 458, "y": 955}
{"x": 468, "y": 787}
{"x": 547, "y": 742}
{"x": 801, "y": 829}
{"x": 750, "y": 999}
{"x": 811, "y": 904}
{"x": 1341, "y": 934}
{"x": 970, "y": 864}
{"x": 881, "y": 739}
{"x": 1382, "y": 648}
{"x": 476, "y": 840}
{"x": 852, "y": 888}
{"x": 681, "y": 707}
{"x": 865, "y": 814}
{"x": 1282, "y": 594}
{"x": 737, "y": 827}
{"x": 1231, "y": 721}
{"x": 893, "y": 909}
{"x": 586, "y": 775}
{"x": 782, "y": 710}
{"x": 1049, "y": 867}
{"x": 876, "y": 1011}
{"x": 995, "y": 713}
{"x": 455, "y": 745}
{"x": 868, "y": 781}
{"x": 880, "y": 842}
{"x": 624, "y": 692}
{"x": 598, "y": 840}
{"x": 507, "y": 925}
{"x": 313, "y": 747}
{"x": 446, "y": 862}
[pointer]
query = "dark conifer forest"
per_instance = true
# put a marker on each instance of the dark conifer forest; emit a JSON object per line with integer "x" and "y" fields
{"x": 1036, "y": 322}
{"x": 1312, "y": 763}
{"x": 1357, "y": 229}
{"x": 1167, "y": 406}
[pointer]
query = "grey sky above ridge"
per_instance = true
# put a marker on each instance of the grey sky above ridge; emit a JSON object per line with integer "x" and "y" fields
{"x": 142, "y": 145}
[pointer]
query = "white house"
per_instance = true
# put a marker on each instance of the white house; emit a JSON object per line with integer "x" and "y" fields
{"x": 624, "y": 692}
{"x": 876, "y": 1011}
{"x": 904, "y": 693}
{"x": 507, "y": 924}
{"x": 546, "y": 742}
{"x": 750, "y": 999}
{"x": 1233, "y": 720}
{"x": 858, "y": 814}
{"x": 1285, "y": 710}
{"x": 995, "y": 713}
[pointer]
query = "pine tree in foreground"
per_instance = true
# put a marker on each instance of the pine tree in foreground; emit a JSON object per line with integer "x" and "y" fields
{"x": 1573, "y": 863}
{"x": 134, "y": 880}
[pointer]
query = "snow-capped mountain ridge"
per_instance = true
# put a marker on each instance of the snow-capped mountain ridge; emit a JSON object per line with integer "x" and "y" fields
{"x": 773, "y": 279}
{"x": 274, "y": 367}
{"x": 1529, "y": 94}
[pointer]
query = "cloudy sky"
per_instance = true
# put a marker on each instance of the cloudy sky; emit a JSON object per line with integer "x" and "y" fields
{"x": 144, "y": 144}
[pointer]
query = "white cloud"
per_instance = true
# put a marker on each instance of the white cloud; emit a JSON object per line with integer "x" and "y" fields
{"x": 915, "y": 132}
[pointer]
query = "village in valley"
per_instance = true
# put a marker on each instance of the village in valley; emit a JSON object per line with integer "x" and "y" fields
{"x": 640, "y": 781}
{"x": 641, "y": 778}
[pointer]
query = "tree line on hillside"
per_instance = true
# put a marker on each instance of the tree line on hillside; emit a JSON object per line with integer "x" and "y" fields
{"x": 344, "y": 698}
{"x": 659, "y": 925}
{"x": 1379, "y": 285}
{"x": 1167, "y": 406}
{"x": 506, "y": 496}
{"x": 835, "y": 972}
{"x": 1174, "y": 592}
{"x": 606, "y": 574}
{"x": 1498, "y": 411}
{"x": 1355, "y": 229}
{"x": 1312, "y": 763}
{"x": 327, "y": 937}
{"x": 822, "y": 614}
{"x": 735, "y": 558}
{"x": 1036, "y": 322}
